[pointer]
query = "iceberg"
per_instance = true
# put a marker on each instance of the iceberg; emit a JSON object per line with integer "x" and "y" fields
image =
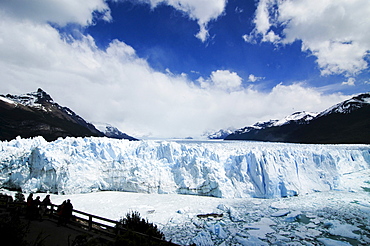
{"x": 206, "y": 168}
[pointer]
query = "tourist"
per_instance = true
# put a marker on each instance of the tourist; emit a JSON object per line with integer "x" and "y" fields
{"x": 29, "y": 206}
{"x": 44, "y": 205}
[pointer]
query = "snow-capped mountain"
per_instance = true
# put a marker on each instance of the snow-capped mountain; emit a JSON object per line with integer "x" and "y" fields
{"x": 346, "y": 122}
{"x": 296, "y": 118}
{"x": 36, "y": 114}
{"x": 220, "y": 134}
{"x": 113, "y": 132}
{"x": 349, "y": 106}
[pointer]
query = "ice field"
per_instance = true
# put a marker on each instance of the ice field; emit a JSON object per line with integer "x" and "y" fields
{"x": 317, "y": 194}
{"x": 218, "y": 169}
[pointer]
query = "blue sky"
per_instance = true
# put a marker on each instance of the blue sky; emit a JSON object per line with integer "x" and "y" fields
{"x": 165, "y": 37}
{"x": 178, "y": 68}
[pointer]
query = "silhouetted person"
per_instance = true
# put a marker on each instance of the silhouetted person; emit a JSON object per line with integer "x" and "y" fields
{"x": 35, "y": 208}
{"x": 60, "y": 212}
{"x": 29, "y": 206}
{"x": 65, "y": 212}
{"x": 44, "y": 205}
{"x": 68, "y": 208}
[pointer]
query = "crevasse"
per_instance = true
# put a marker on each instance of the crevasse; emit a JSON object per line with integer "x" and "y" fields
{"x": 220, "y": 169}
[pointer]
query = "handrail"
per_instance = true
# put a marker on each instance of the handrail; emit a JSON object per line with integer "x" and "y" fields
{"x": 90, "y": 220}
{"x": 117, "y": 229}
{"x": 95, "y": 216}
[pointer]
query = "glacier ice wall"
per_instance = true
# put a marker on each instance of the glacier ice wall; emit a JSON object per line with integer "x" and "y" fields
{"x": 220, "y": 169}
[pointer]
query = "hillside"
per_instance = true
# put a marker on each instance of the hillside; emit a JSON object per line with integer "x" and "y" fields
{"x": 347, "y": 122}
{"x": 36, "y": 114}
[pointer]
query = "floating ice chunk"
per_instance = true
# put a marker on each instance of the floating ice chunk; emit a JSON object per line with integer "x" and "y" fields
{"x": 217, "y": 230}
{"x": 261, "y": 228}
{"x": 311, "y": 225}
{"x": 198, "y": 223}
{"x": 280, "y": 213}
{"x": 235, "y": 215}
{"x": 203, "y": 239}
{"x": 316, "y": 221}
{"x": 293, "y": 216}
{"x": 307, "y": 233}
{"x": 266, "y": 221}
{"x": 257, "y": 202}
{"x": 344, "y": 230}
{"x": 332, "y": 242}
{"x": 261, "y": 232}
{"x": 252, "y": 241}
{"x": 281, "y": 238}
{"x": 278, "y": 205}
{"x": 313, "y": 233}
{"x": 262, "y": 222}
{"x": 297, "y": 244}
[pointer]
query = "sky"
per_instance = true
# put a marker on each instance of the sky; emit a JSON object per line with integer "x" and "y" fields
{"x": 179, "y": 68}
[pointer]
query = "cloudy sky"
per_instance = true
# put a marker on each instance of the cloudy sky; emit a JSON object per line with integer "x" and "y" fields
{"x": 176, "y": 68}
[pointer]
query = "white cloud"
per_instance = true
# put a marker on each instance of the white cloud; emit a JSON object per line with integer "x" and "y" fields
{"x": 118, "y": 87}
{"x": 60, "y": 12}
{"x": 222, "y": 80}
{"x": 253, "y": 78}
{"x": 203, "y": 11}
{"x": 335, "y": 31}
{"x": 226, "y": 80}
{"x": 262, "y": 19}
{"x": 350, "y": 81}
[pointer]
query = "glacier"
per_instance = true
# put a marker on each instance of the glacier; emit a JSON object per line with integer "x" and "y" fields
{"x": 206, "y": 168}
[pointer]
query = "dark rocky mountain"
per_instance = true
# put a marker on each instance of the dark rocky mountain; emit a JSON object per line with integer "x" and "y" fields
{"x": 36, "y": 114}
{"x": 346, "y": 122}
{"x": 114, "y": 132}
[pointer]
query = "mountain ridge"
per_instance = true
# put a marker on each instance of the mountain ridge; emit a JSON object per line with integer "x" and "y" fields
{"x": 344, "y": 123}
{"x": 36, "y": 114}
{"x": 113, "y": 132}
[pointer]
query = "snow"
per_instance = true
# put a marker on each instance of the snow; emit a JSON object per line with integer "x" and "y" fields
{"x": 220, "y": 134}
{"x": 7, "y": 100}
{"x": 348, "y": 105}
{"x": 318, "y": 194}
{"x": 306, "y": 116}
{"x": 298, "y": 117}
{"x": 29, "y": 99}
{"x": 327, "y": 218}
{"x": 208, "y": 168}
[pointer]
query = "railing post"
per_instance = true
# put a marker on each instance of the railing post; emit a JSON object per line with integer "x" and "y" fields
{"x": 51, "y": 211}
{"x": 90, "y": 222}
{"x": 118, "y": 228}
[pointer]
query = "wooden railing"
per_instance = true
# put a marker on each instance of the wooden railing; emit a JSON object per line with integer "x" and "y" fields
{"x": 110, "y": 228}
